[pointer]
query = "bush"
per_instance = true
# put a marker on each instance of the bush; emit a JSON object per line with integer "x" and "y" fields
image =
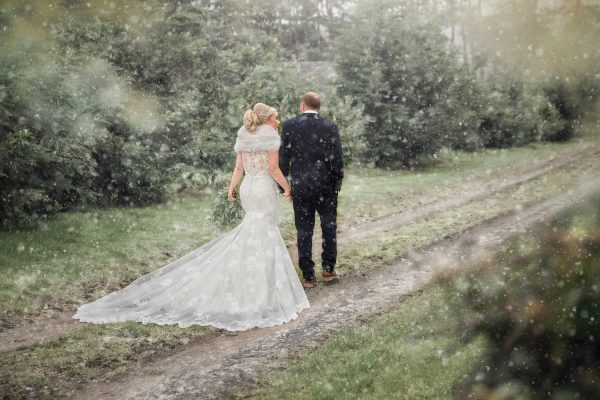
{"x": 352, "y": 123}
{"x": 509, "y": 118}
{"x": 551, "y": 124}
{"x": 538, "y": 306}
{"x": 566, "y": 106}
{"x": 46, "y": 164}
{"x": 401, "y": 71}
{"x": 517, "y": 113}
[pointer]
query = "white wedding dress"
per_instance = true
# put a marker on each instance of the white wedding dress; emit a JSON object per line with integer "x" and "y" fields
{"x": 242, "y": 279}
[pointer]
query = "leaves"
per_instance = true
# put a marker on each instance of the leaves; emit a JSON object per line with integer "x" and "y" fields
{"x": 226, "y": 214}
{"x": 538, "y": 305}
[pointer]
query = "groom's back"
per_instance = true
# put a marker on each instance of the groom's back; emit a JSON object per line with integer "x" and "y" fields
{"x": 311, "y": 151}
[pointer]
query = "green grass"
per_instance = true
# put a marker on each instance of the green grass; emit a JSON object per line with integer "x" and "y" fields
{"x": 95, "y": 352}
{"x": 384, "y": 247}
{"x": 372, "y": 193}
{"x": 80, "y": 256}
{"x": 407, "y": 353}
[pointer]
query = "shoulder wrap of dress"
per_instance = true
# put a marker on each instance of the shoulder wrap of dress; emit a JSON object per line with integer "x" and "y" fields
{"x": 265, "y": 138}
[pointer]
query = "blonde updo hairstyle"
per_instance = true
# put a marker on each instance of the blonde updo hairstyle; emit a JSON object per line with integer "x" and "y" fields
{"x": 257, "y": 115}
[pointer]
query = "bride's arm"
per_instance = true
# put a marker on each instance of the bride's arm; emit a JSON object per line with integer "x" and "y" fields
{"x": 277, "y": 174}
{"x": 238, "y": 172}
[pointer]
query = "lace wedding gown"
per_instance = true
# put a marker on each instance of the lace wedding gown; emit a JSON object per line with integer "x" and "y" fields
{"x": 242, "y": 279}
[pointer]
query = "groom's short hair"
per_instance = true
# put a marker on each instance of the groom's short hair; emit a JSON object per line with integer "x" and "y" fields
{"x": 312, "y": 99}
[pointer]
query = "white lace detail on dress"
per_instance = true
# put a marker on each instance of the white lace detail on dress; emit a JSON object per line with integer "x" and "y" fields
{"x": 256, "y": 163}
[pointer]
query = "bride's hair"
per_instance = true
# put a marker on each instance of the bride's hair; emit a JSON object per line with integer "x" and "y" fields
{"x": 257, "y": 115}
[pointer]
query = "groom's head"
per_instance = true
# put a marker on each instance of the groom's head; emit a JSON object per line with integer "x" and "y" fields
{"x": 310, "y": 101}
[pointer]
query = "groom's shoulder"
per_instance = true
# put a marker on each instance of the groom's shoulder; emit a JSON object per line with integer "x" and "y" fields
{"x": 301, "y": 120}
{"x": 289, "y": 123}
{"x": 292, "y": 120}
{"x": 328, "y": 124}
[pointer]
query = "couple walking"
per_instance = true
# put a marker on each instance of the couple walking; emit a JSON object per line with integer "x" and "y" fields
{"x": 245, "y": 278}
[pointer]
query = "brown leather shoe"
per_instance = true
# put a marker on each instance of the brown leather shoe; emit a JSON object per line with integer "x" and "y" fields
{"x": 330, "y": 276}
{"x": 308, "y": 283}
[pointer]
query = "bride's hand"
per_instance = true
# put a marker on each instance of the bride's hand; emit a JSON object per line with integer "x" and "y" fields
{"x": 287, "y": 196}
{"x": 230, "y": 197}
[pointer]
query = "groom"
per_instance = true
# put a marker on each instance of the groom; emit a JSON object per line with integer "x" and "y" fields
{"x": 312, "y": 152}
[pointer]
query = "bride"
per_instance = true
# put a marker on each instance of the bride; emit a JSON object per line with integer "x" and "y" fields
{"x": 244, "y": 278}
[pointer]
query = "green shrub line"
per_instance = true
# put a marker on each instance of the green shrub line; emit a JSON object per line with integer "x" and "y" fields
{"x": 112, "y": 106}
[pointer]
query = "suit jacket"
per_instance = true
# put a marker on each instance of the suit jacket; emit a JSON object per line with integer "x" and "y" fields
{"x": 311, "y": 152}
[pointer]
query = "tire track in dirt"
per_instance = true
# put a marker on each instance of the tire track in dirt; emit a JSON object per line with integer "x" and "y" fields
{"x": 392, "y": 221}
{"x": 46, "y": 328}
{"x": 213, "y": 367}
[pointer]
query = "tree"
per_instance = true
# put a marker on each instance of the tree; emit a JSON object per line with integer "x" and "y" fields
{"x": 401, "y": 70}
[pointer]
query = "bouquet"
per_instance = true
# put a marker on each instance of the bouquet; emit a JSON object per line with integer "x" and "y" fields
{"x": 225, "y": 214}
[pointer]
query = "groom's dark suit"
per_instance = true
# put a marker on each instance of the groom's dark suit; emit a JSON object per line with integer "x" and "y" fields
{"x": 311, "y": 152}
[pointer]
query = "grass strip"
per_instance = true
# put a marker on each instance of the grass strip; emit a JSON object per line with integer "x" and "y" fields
{"x": 97, "y": 352}
{"x": 406, "y": 353}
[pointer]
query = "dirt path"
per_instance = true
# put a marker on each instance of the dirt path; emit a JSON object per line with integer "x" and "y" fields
{"x": 466, "y": 196}
{"x": 215, "y": 365}
{"x": 48, "y": 327}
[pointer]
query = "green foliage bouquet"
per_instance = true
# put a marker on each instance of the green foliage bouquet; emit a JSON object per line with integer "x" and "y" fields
{"x": 225, "y": 214}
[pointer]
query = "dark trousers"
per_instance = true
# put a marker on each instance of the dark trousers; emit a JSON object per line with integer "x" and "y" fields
{"x": 305, "y": 207}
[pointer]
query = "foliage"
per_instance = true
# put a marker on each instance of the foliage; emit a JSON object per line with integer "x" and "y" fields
{"x": 565, "y": 106}
{"x": 401, "y": 70}
{"x": 225, "y": 214}
{"x": 352, "y": 123}
{"x": 538, "y": 305}
{"x": 46, "y": 164}
{"x": 510, "y": 117}
{"x": 547, "y": 48}
{"x": 551, "y": 126}
{"x": 20, "y": 199}
{"x": 421, "y": 97}
{"x": 104, "y": 105}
